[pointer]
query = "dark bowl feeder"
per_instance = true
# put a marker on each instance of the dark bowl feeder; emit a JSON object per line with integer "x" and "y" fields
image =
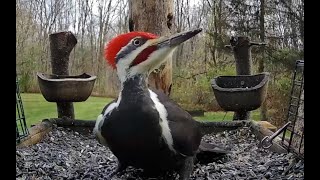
{"x": 63, "y": 88}
{"x": 241, "y": 92}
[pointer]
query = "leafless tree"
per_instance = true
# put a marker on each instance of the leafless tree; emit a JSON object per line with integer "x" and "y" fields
{"x": 280, "y": 23}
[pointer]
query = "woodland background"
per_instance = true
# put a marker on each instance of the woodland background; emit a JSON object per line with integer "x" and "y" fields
{"x": 279, "y": 23}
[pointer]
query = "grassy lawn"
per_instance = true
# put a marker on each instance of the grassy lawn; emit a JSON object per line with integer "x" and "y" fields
{"x": 37, "y": 108}
{"x": 225, "y": 116}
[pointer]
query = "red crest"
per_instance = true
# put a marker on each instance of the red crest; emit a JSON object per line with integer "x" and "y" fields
{"x": 115, "y": 45}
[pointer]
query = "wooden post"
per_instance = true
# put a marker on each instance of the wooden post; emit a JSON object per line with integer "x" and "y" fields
{"x": 241, "y": 47}
{"x": 61, "y": 45}
{"x": 242, "y": 55}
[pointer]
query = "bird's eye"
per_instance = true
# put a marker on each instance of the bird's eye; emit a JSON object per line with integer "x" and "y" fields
{"x": 136, "y": 42}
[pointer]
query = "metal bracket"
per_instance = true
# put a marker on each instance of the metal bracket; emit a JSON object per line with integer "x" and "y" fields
{"x": 266, "y": 142}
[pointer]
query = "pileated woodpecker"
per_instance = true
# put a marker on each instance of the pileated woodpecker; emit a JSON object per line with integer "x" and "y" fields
{"x": 142, "y": 127}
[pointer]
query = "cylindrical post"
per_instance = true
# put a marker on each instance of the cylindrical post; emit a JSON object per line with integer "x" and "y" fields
{"x": 241, "y": 47}
{"x": 61, "y": 45}
{"x": 242, "y": 54}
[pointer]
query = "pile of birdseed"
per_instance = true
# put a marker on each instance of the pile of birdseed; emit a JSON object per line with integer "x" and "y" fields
{"x": 66, "y": 154}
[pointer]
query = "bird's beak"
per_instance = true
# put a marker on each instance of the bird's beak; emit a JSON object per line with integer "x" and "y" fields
{"x": 176, "y": 39}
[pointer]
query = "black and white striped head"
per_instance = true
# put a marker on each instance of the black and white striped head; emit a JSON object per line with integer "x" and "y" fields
{"x": 137, "y": 53}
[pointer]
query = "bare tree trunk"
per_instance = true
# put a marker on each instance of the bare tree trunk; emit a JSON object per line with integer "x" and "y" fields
{"x": 301, "y": 23}
{"x": 263, "y": 108}
{"x": 154, "y": 16}
{"x": 294, "y": 36}
{"x": 179, "y": 4}
{"x": 215, "y": 34}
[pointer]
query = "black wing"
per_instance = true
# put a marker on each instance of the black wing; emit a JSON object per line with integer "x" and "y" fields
{"x": 105, "y": 108}
{"x": 184, "y": 129}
